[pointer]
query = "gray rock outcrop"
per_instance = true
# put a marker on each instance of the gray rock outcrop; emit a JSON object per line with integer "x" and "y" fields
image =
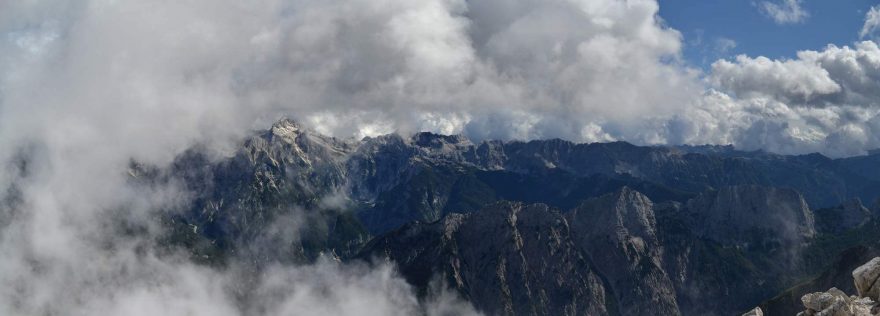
{"x": 835, "y": 302}
{"x": 867, "y": 279}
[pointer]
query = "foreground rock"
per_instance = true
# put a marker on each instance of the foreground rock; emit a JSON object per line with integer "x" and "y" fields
{"x": 835, "y": 302}
{"x": 866, "y": 278}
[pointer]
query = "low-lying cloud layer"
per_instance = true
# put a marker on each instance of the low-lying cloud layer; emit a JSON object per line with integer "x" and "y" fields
{"x": 87, "y": 86}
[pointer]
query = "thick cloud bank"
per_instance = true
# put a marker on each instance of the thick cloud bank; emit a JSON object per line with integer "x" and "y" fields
{"x": 581, "y": 70}
{"x": 166, "y": 75}
{"x": 88, "y": 86}
{"x": 823, "y": 101}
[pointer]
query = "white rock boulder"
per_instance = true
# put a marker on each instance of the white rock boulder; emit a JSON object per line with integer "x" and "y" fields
{"x": 866, "y": 279}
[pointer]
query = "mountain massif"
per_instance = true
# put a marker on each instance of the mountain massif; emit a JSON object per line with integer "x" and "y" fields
{"x": 544, "y": 227}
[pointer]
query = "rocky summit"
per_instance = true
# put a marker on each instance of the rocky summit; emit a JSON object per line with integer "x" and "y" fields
{"x": 545, "y": 227}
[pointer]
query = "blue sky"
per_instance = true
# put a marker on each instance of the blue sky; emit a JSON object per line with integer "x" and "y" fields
{"x": 706, "y": 23}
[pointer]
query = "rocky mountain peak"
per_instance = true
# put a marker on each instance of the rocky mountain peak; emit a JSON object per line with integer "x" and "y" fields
{"x": 619, "y": 232}
{"x": 624, "y": 212}
{"x": 288, "y": 141}
{"x": 287, "y": 129}
{"x": 455, "y": 148}
{"x": 428, "y": 139}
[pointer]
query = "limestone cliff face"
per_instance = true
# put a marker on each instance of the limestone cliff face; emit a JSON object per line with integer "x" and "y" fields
{"x": 619, "y": 233}
{"x": 632, "y": 260}
{"x": 739, "y": 214}
{"x": 507, "y": 259}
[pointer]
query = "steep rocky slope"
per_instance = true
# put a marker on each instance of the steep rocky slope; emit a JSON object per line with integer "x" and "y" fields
{"x": 280, "y": 181}
{"x": 507, "y": 259}
{"x": 619, "y": 233}
{"x": 651, "y": 259}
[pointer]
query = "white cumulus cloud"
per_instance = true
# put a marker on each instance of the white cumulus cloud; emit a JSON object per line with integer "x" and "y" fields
{"x": 834, "y": 76}
{"x": 789, "y": 80}
{"x": 823, "y": 101}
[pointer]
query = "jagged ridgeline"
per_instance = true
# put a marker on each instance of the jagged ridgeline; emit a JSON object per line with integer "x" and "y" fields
{"x": 545, "y": 227}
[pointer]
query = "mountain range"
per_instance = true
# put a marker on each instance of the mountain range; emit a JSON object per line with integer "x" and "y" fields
{"x": 544, "y": 227}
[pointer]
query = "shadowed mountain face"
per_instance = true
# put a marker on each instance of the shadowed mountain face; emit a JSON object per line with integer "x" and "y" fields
{"x": 509, "y": 258}
{"x": 651, "y": 259}
{"x": 591, "y": 228}
{"x": 740, "y": 215}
